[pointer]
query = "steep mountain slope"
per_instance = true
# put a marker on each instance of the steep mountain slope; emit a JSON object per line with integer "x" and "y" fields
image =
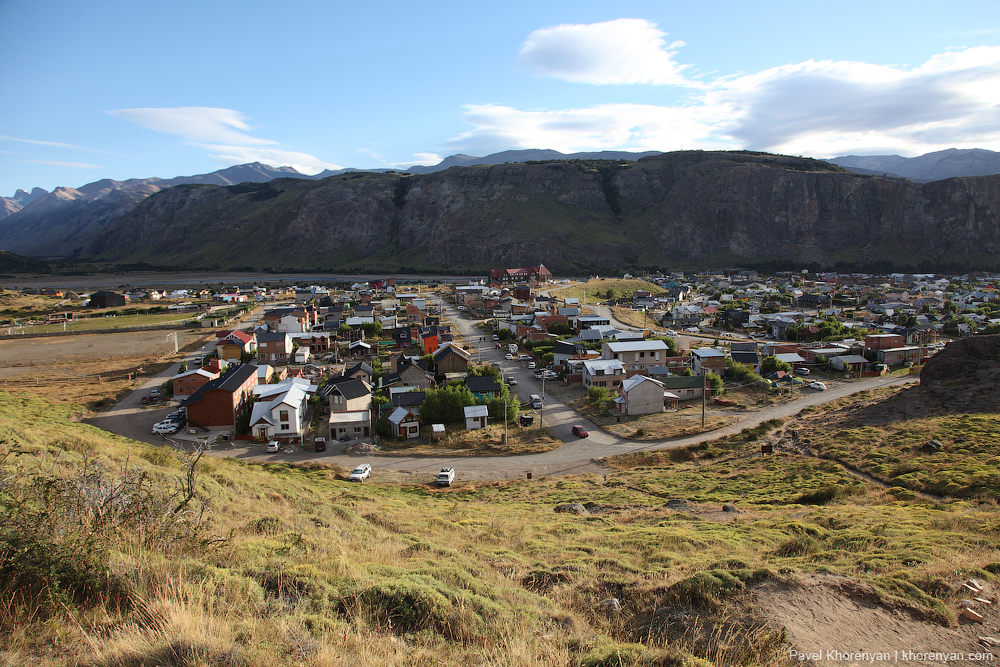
{"x": 748, "y": 208}
{"x": 929, "y": 167}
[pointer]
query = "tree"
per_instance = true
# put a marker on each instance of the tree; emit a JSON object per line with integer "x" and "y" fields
{"x": 561, "y": 329}
{"x": 715, "y": 383}
{"x": 772, "y": 364}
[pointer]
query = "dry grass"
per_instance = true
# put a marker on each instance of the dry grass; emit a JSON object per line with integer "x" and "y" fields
{"x": 657, "y": 426}
{"x": 311, "y": 570}
{"x": 598, "y": 290}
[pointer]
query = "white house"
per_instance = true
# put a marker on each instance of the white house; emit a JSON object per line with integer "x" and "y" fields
{"x": 405, "y": 423}
{"x": 281, "y": 414}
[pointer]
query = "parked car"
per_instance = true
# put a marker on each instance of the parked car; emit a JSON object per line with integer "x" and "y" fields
{"x": 538, "y": 374}
{"x": 319, "y": 445}
{"x": 273, "y": 447}
{"x": 512, "y": 382}
{"x": 509, "y": 356}
{"x": 549, "y": 375}
{"x": 496, "y": 337}
{"x": 446, "y": 477}
{"x": 345, "y": 438}
{"x": 154, "y": 392}
{"x": 580, "y": 432}
{"x": 361, "y": 473}
{"x": 165, "y": 429}
{"x": 146, "y": 400}
{"x": 802, "y": 371}
{"x": 819, "y": 386}
{"x": 531, "y": 364}
{"x": 524, "y": 357}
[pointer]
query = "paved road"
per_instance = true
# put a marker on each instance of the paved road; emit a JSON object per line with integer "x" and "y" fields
{"x": 575, "y": 456}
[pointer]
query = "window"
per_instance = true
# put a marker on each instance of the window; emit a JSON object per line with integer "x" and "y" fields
{"x": 357, "y": 429}
{"x": 642, "y": 354}
{"x": 283, "y": 415}
{"x": 285, "y": 427}
{"x": 614, "y": 356}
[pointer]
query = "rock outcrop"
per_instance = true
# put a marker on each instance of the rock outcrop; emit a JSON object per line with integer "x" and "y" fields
{"x": 681, "y": 209}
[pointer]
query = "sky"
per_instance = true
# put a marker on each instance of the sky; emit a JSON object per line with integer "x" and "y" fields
{"x": 114, "y": 89}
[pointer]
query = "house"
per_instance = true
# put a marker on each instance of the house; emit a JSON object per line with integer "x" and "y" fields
{"x": 877, "y": 342}
{"x": 274, "y": 347}
{"x": 317, "y": 343}
{"x": 640, "y": 395}
{"x": 684, "y": 386}
{"x": 280, "y": 412}
{"x": 223, "y": 400}
{"x": 450, "y": 358}
{"x": 407, "y": 397}
{"x": 483, "y": 386}
{"x": 405, "y": 423}
{"x": 530, "y": 275}
{"x": 361, "y": 371}
{"x": 412, "y": 372}
{"x": 708, "y": 360}
{"x": 302, "y": 355}
{"x": 348, "y": 395}
{"x": 476, "y": 416}
{"x": 588, "y": 321}
{"x": 186, "y": 384}
{"x": 232, "y": 345}
{"x": 607, "y": 373}
{"x": 104, "y": 299}
{"x": 849, "y": 363}
{"x": 636, "y": 356}
{"x": 896, "y": 356}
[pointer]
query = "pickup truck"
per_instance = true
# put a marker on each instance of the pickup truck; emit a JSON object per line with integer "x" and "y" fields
{"x": 446, "y": 477}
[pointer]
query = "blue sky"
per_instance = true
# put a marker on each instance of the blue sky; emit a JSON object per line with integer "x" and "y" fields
{"x": 115, "y": 89}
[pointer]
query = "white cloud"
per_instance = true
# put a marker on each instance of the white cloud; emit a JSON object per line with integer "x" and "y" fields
{"x": 612, "y": 126}
{"x": 819, "y": 108}
{"x": 223, "y": 132}
{"x": 195, "y": 124}
{"x": 613, "y": 52}
{"x": 75, "y": 165}
{"x": 43, "y": 143}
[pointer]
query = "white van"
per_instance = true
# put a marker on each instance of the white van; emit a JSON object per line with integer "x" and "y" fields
{"x": 536, "y": 401}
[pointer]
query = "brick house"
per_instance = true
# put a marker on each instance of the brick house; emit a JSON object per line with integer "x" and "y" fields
{"x": 274, "y": 347}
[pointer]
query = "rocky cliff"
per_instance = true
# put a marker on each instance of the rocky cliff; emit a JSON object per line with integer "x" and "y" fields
{"x": 680, "y": 209}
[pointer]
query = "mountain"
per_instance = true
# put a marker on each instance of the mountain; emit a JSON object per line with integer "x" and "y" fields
{"x": 687, "y": 208}
{"x": 52, "y": 225}
{"x": 528, "y": 155}
{"x": 929, "y": 167}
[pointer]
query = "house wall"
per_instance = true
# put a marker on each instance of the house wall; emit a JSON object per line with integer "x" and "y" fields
{"x": 645, "y": 398}
{"x": 453, "y": 363}
{"x": 219, "y": 407}
{"x": 188, "y": 385}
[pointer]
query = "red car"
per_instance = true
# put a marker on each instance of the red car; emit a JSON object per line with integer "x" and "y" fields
{"x": 580, "y": 432}
{"x": 146, "y": 400}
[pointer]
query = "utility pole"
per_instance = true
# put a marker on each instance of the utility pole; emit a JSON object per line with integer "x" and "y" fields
{"x": 541, "y": 410}
{"x": 704, "y": 400}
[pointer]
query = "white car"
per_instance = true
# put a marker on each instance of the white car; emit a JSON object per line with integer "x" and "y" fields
{"x": 509, "y": 356}
{"x": 273, "y": 447}
{"x": 802, "y": 371}
{"x": 524, "y": 357}
{"x": 165, "y": 429}
{"x": 446, "y": 477}
{"x": 361, "y": 473}
{"x": 531, "y": 364}
{"x": 818, "y": 386}
{"x": 549, "y": 375}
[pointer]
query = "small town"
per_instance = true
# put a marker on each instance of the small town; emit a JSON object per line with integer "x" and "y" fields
{"x": 363, "y": 366}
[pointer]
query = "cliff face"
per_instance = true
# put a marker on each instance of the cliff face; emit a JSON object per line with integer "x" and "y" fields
{"x": 673, "y": 208}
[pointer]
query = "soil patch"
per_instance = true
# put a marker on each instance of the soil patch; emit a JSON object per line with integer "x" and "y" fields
{"x": 837, "y": 620}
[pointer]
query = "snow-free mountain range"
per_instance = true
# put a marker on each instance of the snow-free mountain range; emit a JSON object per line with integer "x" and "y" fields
{"x": 585, "y": 211}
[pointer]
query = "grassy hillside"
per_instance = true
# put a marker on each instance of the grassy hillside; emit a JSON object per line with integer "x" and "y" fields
{"x": 115, "y": 553}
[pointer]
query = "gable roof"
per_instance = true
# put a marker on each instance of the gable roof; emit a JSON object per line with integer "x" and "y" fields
{"x": 636, "y": 380}
{"x": 479, "y": 384}
{"x": 353, "y": 388}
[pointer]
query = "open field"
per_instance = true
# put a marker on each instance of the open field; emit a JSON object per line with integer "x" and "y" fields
{"x": 90, "y": 370}
{"x": 223, "y": 562}
{"x": 602, "y": 289}
{"x": 487, "y": 441}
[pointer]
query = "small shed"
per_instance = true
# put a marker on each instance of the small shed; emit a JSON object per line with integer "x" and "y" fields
{"x": 476, "y": 416}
